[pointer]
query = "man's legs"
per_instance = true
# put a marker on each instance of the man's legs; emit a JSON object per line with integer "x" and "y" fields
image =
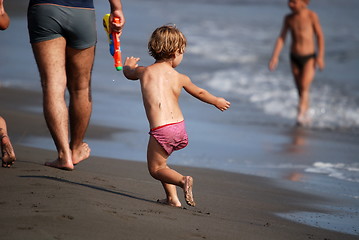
{"x": 79, "y": 65}
{"x": 50, "y": 58}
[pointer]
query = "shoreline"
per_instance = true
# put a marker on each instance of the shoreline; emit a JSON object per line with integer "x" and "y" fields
{"x": 107, "y": 198}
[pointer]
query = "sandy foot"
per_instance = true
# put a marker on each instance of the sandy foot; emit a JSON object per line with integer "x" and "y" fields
{"x": 187, "y": 189}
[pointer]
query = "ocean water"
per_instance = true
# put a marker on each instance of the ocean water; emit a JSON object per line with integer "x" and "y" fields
{"x": 229, "y": 46}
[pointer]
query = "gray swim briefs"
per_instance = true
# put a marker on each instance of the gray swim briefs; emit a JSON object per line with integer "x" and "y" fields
{"x": 76, "y": 25}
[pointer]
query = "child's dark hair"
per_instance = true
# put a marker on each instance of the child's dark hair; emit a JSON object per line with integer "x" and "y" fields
{"x": 165, "y": 41}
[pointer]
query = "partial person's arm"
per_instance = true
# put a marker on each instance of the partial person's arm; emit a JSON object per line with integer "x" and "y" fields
{"x": 4, "y": 18}
{"x": 116, "y": 11}
{"x": 320, "y": 42}
{"x": 278, "y": 46}
{"x": 203, "y": 95}
{"x": 131, "y": 70}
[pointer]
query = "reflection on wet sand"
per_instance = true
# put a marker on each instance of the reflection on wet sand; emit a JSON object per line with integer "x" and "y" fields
{"x": 297, "y": 145}
{"x": 297, "y": 141}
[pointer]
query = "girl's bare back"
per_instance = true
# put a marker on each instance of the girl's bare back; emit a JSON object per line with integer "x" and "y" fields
{"x": 161, "y": 87}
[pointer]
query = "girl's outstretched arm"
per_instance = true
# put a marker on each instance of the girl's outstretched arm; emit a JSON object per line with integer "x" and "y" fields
{"x": 203, "y": 95}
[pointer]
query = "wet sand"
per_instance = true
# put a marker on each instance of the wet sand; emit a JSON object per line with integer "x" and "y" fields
{"x": 116, "y": 199}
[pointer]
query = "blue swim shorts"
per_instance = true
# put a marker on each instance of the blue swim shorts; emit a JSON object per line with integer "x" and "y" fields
{"x": 76, "y": 25}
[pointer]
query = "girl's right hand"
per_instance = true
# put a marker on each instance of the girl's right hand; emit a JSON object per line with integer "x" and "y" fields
{"x": 222, "y": 104}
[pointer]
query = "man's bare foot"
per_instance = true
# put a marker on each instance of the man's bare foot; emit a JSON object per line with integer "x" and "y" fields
{"x": 60, "y": 164}
{"x": 81, "y": 153}
{"x": 170, "y": 202}
{"x": 187, "y": 189}
{"x": 8, "y": 154}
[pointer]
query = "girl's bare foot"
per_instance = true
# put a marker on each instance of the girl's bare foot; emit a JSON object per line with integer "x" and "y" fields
{"x": 60, "y": 164}
{"x": 8, "y": 154}
{"x": 170, "y": 202}
{"x": 81, "y": 153}
{"x": 187, "y": 189}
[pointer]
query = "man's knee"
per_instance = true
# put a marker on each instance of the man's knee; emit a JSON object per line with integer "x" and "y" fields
{"x": 79, "y": 84}
{"x": 79, "y": 89}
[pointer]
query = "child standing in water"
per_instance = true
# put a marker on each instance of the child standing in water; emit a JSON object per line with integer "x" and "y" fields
{"x": 304, "y": 27}
{"x": 161, "y": 86}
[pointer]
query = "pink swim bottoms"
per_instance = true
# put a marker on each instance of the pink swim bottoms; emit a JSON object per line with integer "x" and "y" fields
{"x": 171, "y": 136}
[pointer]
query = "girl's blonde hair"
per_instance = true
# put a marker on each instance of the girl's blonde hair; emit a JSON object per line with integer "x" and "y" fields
{"x": 165, "y": 41}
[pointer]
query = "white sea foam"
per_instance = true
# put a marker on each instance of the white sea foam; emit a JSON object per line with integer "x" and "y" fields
{"x": 243, "y": 56}
{"x": 276, "y": 95}
{"x": 348, "y": 172}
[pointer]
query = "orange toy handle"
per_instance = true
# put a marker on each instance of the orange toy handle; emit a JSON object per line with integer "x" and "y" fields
{"x": 117, "y": 47}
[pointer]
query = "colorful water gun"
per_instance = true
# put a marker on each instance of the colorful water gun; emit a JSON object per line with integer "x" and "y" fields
{"x": 114, "y": 41}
